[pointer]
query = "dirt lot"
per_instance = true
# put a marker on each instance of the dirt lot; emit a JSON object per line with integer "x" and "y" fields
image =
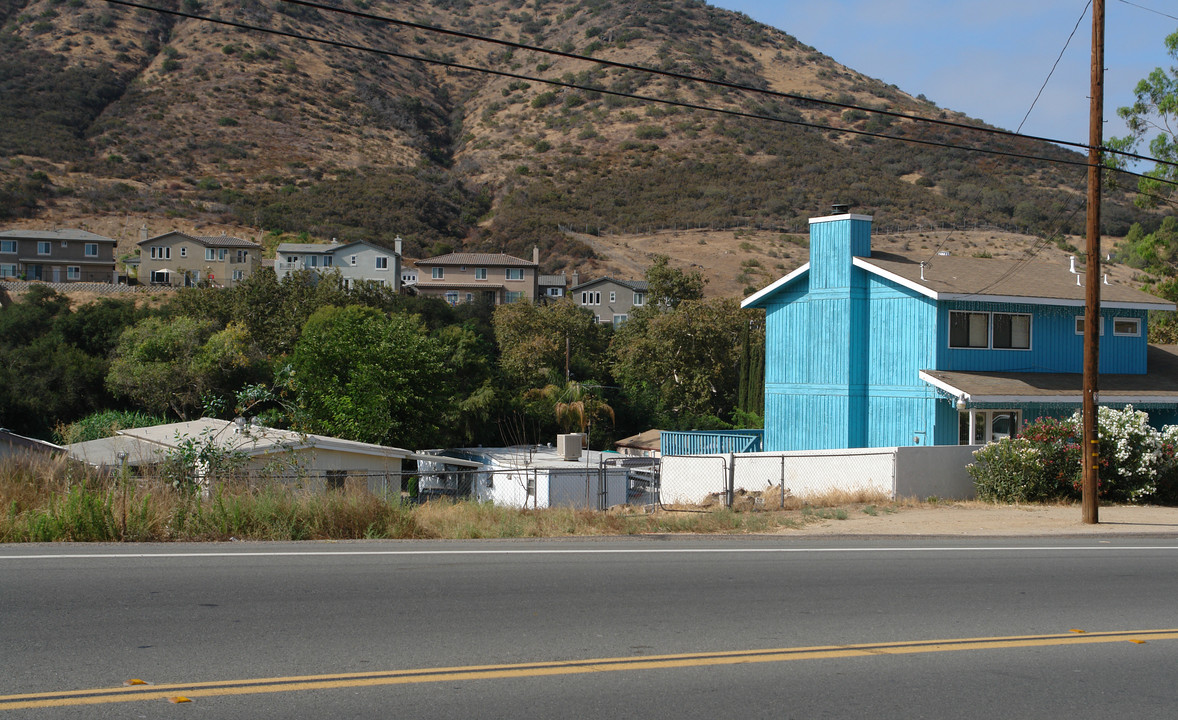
{"x": 982, "y": 520}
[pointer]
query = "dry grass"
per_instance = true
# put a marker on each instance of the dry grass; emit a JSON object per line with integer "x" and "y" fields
{"x": 46, "y": 500}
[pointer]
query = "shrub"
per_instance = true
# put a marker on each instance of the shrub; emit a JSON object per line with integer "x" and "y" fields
{"x": 1010, "y": 470}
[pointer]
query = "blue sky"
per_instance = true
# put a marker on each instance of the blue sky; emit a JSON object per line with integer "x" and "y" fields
{"x": 985, "y": 58}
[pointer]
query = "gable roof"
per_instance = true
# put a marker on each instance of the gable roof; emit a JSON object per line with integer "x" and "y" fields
{"x": 635, "y": 285}
{"x": 61, "y": 234}
{"x": 476, "y": 259}
{"x": 948, "y": 277}
{"x": 218, "y": 241}
{"x": 329, "y": 247}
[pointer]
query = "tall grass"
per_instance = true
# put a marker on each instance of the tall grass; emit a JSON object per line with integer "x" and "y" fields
{"x": 55, "y": 500}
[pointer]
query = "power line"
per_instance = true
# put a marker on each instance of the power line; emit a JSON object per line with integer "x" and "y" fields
{"x": 604, "y": 91}
{"x": 708, "y": 81}
{"x": 1055, "y": 65}
{"x": 1148, "y": 9}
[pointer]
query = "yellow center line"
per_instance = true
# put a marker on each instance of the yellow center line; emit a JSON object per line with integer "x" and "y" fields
{"x": 251, "y": 686}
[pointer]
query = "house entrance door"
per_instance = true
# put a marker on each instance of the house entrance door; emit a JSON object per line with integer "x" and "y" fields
{"x": 978, "y": 427}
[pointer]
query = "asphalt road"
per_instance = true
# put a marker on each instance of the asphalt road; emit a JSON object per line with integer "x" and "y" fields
{"x": 756, "y": 627}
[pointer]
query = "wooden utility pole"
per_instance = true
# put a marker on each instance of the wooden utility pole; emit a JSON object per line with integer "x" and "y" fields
{"x": 1091, "y": 436}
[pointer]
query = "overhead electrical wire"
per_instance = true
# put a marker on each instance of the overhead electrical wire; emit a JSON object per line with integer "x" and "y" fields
{"x": 1149, "y": 9}
{"x": 1054, "y": 65}
{"x": 676, "y": 103}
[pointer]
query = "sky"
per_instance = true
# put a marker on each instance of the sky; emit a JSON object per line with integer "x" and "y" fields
{"x": 986, "y": 58}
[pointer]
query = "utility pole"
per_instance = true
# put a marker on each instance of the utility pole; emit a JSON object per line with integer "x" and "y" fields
{"x": 1091, "y": 437}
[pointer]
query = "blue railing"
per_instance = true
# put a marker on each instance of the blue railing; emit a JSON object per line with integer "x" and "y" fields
{"x": 710, "y": 442}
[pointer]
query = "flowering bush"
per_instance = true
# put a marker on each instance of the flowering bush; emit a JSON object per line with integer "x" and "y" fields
{"x": 1137, "y": 462}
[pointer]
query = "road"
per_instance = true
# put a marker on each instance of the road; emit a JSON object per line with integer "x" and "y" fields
{"x": 680, "y": 627}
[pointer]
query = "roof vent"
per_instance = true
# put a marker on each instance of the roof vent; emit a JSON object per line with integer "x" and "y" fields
{"x": 840, "y": 209}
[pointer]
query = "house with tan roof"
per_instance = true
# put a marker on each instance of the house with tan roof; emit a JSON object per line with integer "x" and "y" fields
{"x": 182, "y": 260}
{"x": 495, "y": 278}
{"x": 871, "y": 349}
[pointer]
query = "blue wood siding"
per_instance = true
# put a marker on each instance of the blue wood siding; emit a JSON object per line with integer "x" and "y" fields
{"x": 832, "y": 245}
{"x": 698, "y": 442}
{"x": 1055, "y": 346}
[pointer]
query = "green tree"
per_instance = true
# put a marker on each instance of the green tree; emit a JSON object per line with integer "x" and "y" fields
{"x": 535, "y": 340}
{"x": 363, "y": 375}
{"x": 668, "y": 286}
{"x": 685, "y": 362}
{"x": 1154, "y": 116}
{"x": 159, "y": 364}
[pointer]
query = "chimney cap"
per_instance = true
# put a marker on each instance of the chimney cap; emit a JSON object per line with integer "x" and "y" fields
{"x": 840, "y": 208}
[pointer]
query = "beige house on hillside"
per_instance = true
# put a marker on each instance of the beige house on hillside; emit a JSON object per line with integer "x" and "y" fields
{"x": 58, "y": 256}
{"x": 182, "y": 260}
{"x": 469, "y": 277}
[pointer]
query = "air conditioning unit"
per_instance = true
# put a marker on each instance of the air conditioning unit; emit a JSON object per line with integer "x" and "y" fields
{"x": 568, "y": 446}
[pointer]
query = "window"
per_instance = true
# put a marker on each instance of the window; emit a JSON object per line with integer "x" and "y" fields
{"x": 221, "y": 255}
{"x": 437, "y": 273}
{"x": 613, "y": 296}
{"x": 159, "y": 277}
{"x": 555, "y": 291}
{"x": 480, "y": 273}
{"x": 382, "y": 263}
{"x": 514, "y": 273}
{"x": 639, "y": 299}
{"x": 511, "y": 296}
{"x": 183, "y": 252}
{"x": 313, "y": 261}
{"x": 163, "y": 253}
{"x": 239, "y": 274}
{"x": 590, "y": 298}
{"x": 43, "y": 248}
{"x": 73, "y": 272}
{"x": 211, "y": 254}
{"x": 1080, "y": 325}
{"x": 1130, "y": 327}
{"x": 327, "y": 259}
{"x": 619, "y": 319}
{"x": 452, "y": 297}
{"x": 978, "y": 427}
{"x": 470, "y": 297}
{"x": 91, "y": 250}
{"x": 1011, "y": 331}
{"x": 352, "y": 260}
{"x": 7, "y": 246}
{"x": 7, "y": 271}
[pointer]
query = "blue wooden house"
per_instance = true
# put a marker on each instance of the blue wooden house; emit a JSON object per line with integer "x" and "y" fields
{"x": 871, "y": 349}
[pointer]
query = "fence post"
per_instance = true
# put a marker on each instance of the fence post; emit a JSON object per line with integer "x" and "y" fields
{"x": 782, "y": 481}
{"x": 730, "y": 490}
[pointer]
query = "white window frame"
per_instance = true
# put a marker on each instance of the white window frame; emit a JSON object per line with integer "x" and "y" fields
{"x": 1080, "y": 325}
{"x": 620, "y": 319}
{"x": 73, "y": 272}
{"x": 437, "y": 273}
{"x": 239, "y": 275}
{"x": 328, "y": 260}
{"x": 555, "y": 291}
{"x": 451, "y": 297}
{"x": 990, "y": 330}
{"x": 987, "y": 434}
{"x": 480, "y": 273}
{"x": 7, "y": 246}
{"x": 613, "y": 296}
{"x": 90, "y": 250}
{"x": 382, "y": 262}
{"x": 221, "y": 255}
{"x": 183, "y": 252}
{"x": 639, "y": 299}
{"x": 7, "y": 270}
{"x": 44, "y": 247}
{"x": 512, "y": 296}
{"x": 1136, "y": 327}
{"x": 513, "y": 273}
{"x": 211, "y": 254}
{"x": 352, "y": 260}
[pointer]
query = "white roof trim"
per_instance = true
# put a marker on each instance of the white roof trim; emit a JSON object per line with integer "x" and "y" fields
{"x": 865, "y": 264}
{"x": 771, "y": 288}
{"x": 1113, "y": 399}
{"x": 941, "y": 385}
{"x": 844, "y": 216}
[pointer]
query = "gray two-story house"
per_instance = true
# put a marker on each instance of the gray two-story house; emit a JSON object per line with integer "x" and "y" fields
{"x": 358, "y": 261}
{"x": 64, "y": 255}
{"x": 611, "y": 300}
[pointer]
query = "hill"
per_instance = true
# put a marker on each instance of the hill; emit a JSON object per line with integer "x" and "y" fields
{"x": 122, "y": 117}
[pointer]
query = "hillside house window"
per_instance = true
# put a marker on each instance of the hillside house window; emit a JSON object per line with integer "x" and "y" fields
{"x": 73, "y": 272}
{"x": 613, "y": 296}
{"x": 313, "y": 261}
{"x": 452, "y": 298}
{"x": 639, "y": 299}
{"x": 221, "y": 255}
{"x": 1128, "y": 327}
{"x": 514, "y": 273}
{"x": 239, "y": 274}
{"x": 161, "y": 253}
{"x": 7, "y": 271}
{"x": 382, "y": 263}
{"x": 352, "y": 260}
{"x": 211, "y": 254}
{"x": 7, "y": 246}
{"x": 438, "y": 273}
{"x": 1001, "y": 331}
{"x": 590, "y": 298}
{"x": 555, "y": 291}
{"x": 978, "y": 427}
{"x": 480, "y": 273}
{"x": 619, "y": 320}
{"x": 327, "y": 260}
{"x": 512, "y": 296}
{"x": 43, "y": 248}
{"x": 159, "y": 277}
{"x": 91, "y": 250}
{"x": 183, "y": 252}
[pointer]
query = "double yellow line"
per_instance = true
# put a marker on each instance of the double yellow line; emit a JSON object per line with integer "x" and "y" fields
{"x": 174, "y": 691}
